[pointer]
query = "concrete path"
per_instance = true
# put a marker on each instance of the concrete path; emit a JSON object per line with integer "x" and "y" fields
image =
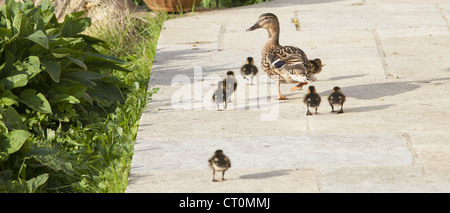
{"x": 392, "y": 60}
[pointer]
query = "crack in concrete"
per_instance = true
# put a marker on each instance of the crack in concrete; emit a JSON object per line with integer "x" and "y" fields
{"x": 223, "y": 29}
{"x": 415, "y": 156}
{"x": 318, "y": 175}
{"x": 441, "y": 12}
{"x": 382, "y": 55}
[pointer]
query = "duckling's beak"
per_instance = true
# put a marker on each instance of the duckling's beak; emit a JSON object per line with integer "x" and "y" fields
{"x": 254, "y": 27}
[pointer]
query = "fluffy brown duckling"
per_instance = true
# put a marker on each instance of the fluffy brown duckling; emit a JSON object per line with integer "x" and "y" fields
{"x": 312, "y": 99}
{"x": 337, "y": 98}
{"x": 220, "y": 96}
{"x": 249, "y": 70}
{"x": 316, "y": 66}
{"x": 219, "y": 163}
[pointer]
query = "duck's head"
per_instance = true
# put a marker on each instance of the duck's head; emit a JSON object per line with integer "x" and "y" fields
{"x": 311, "y": 89}
{"x": 218, "y": 152}
{"x": 230, "y": 73}
{"x": 336, "y": 89}
{"x": 267, "y": 21}
{"x": 250, "y": 60}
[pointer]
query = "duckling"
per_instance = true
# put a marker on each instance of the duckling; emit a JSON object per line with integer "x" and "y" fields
{"x": 337, "y": 98}
{"x": 224, "y": 90}
{"x": 296, "y": 23}
{"x": 229, "y": 84}
{"x": 312, "y": 99}
{"x": 220, "y": 163}
{"x": 316, "y": 66}
{"x": 220, "y": 96}
{"x": 249, "y": 69}
{"x": 283, "y": 64}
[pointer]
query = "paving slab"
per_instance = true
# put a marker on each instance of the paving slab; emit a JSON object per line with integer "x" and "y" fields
{"x": 272, "y": 180}
{"x": 389, "y": 58}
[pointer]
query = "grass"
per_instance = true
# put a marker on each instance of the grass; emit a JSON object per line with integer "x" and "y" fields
{"x": 133, "y": 39}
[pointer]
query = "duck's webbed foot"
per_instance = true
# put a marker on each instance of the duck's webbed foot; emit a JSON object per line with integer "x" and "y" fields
{"x": 298, "y": 86}
{"x": 281, "y": 98}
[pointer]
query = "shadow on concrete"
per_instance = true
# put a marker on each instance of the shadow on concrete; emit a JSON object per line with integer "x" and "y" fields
{"x": 346, "y": 77}
{"x": 138, "y": 176}
{"x": 376, "y": 90}
{"x": 180, "y": 55}
{"x": 265, "y": 175}
{"x": 367, "y": 108}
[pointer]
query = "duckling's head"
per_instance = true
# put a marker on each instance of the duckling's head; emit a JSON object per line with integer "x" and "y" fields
{"x": 230, "y": 73}
{"x": 218, "y": 152}
{"x": 267, "y": 21}
{"x": 311, "y": 89}
{"x": 336, "y": 89}
{"x": 249, "y": 60}
{"x": 318, "y": 62}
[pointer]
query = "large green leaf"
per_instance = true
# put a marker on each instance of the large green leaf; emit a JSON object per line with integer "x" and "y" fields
{"x": 73, "y": 24}
{"x": 36, "y": 101}
{"x": 11, "y": 8}
{"x": 24, "y": 71}
{"x": 64, "y": 98}
{"x": 3, "y": 128}
{"x": 7, "y": 98}
{"x": 78, "y": 62}
{"x": 5, "y": 33}
{"x": 53, "y": 68}
{"x": 37, "y": 19}
{"x": 53, "y": 159}
{"x": 92, "y": 40}
{"x": 40, "y": 38}
{"x": 20, "y": 23}
{"x": 67, "y": 51}
{"x": 12, "y": 119}
{"x": 34, "y": 183}
{"x": 84, "y": 77}
{"x": 11, "y": 142}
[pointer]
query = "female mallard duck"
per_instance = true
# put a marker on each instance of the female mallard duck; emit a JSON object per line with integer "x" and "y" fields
{"x": 220, "y": 163}
{"x": 285, "y": 64}
{"x": 312, "y": 99}
{"x": 249, "y": 70}
{"x": 337, "y": 98}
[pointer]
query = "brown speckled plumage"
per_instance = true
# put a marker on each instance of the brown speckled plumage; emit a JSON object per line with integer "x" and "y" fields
{"x": 296, "y": 66}
{"x": 220, "y": 163}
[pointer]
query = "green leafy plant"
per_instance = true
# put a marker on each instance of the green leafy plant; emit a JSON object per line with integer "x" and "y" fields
{"x": 52, "y": 79}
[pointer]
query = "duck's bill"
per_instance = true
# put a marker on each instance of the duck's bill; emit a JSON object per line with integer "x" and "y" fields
{"x": 254, "y": 27}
